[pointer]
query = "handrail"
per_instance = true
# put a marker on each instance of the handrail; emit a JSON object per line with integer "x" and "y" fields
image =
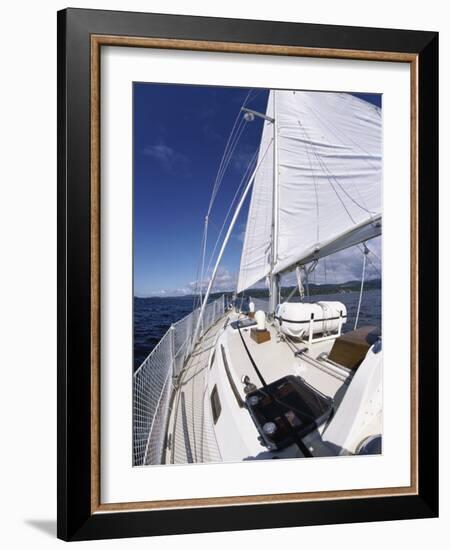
{"x": 151, "y": 383}
{"x": 183, "y": 319}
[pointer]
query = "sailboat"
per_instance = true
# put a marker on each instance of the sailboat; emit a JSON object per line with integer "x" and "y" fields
{"x": 280, "y": 379}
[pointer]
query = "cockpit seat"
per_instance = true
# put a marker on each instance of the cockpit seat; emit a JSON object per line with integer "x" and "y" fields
{"x": 350, "y": 348}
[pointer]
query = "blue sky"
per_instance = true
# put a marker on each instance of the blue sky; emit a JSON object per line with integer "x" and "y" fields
{"x": 179, "y": 135}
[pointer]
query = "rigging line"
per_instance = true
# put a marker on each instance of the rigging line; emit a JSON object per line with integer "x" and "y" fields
{"x": 212, "y": 225}
{"x": 248, "y": 236}
{"x": 229, "y": 141}
{"x": 231, "y": 145}
{"x": 233, "y": 238}
{"x": 228, "y": 151}
{"x": 366, "y": 251}
{"x": 225, "y": 161}
{"x": 370, "y": 212}
{"x": 200, "y": 273}
{"x": 228, "y": 159}
{"x": 228, "y": 234}
{"x": 339, "y": 197}
{"x": 305, "y": 271}
{"x": 253, "y": 227}
{"x": 324, "y": 166}
{"x": 249, "y": 93}
{"x": 331, "y": 128}
{"x": 252, "y": 361}
{"x": 374, "y": 267}
{"x": 312, "y": 269}
{"x": 228, "y": 215}
{"x": 257, "y": 93}
{"x": 370, "y": 261}
{"x": 332, "y": 186}
{"x": 373, "y": 254}
{"x": 222, "y": 160}
{"x": 196, "y": 289}
{"x": 314, "y": 180}
{"x": 342, "y": 202}
{"x": 235, "y": 197}
{"x": 282, "y": 407}
{"x": 333, "y": 271}
{"x": 291, "y": 294}
{"x": 203, "y": 260}
{"x": 231, "y": 150}
{"x": 219, "y": 178}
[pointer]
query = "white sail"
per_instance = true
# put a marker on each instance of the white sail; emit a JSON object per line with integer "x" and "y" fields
{"x": 255, "y": 259}
{"x": 329, "y": 181}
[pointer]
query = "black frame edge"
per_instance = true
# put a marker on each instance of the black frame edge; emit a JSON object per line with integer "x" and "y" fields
{"x": 75, "y": 521}
{"x": 241, "y": 518}
{"x": 159, "y": 25}
{"x": 73, "y": 380}
{"x": 428, "y": 168}
{"x": 61, "y": 279}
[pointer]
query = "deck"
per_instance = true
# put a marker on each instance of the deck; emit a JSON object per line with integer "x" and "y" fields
{"x": 191, "y": 435}
{"x": 190, "y": 429}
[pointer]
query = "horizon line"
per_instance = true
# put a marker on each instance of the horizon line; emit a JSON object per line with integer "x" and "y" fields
{"x": 193, "y": 294}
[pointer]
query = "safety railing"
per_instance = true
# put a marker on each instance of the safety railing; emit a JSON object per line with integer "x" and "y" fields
{"x": 153, "y": 382}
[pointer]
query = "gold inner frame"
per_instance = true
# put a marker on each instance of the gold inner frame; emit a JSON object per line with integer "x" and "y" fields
{"x": 97, "y": 41}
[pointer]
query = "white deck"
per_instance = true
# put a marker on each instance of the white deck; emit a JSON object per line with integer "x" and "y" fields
{"x": 190, "y": 427}
{"x": 192, "y": 435}
{"x": 276, "y": 359}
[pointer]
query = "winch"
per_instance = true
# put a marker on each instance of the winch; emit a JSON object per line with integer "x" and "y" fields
{"x": 286, "y": 410}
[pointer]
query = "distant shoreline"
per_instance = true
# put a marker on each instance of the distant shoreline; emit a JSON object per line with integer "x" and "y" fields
{"x": 314, "y": 289}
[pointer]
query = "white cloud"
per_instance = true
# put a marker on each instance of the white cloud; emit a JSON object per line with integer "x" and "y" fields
{"x": 240, "y": 232}
{"x": 241, "y": 160}
{"x": 169, "y": 159}
{"x": 224, "y": 281}
{"x": 345, "y": 266}
{"x": 339, "y": 268}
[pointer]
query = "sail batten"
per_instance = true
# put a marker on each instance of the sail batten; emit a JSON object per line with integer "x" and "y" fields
{"x": 329, "y": 182}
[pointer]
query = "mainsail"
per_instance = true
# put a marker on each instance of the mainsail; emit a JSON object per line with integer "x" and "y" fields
{"x": 329, "y": 151}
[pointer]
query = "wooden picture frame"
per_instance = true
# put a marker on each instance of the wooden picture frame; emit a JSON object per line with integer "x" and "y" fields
{"x": 81, "y": 35}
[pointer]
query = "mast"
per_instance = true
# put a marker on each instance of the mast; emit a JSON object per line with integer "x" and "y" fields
{"x": 222, "y": 250}
{"x": 274, "y": 279}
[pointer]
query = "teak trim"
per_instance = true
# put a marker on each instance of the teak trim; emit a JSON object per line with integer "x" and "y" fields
{"x": 108, "y": 40}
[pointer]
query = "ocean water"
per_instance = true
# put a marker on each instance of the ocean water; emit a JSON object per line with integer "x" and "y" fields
{"x": 153, "y": 316}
